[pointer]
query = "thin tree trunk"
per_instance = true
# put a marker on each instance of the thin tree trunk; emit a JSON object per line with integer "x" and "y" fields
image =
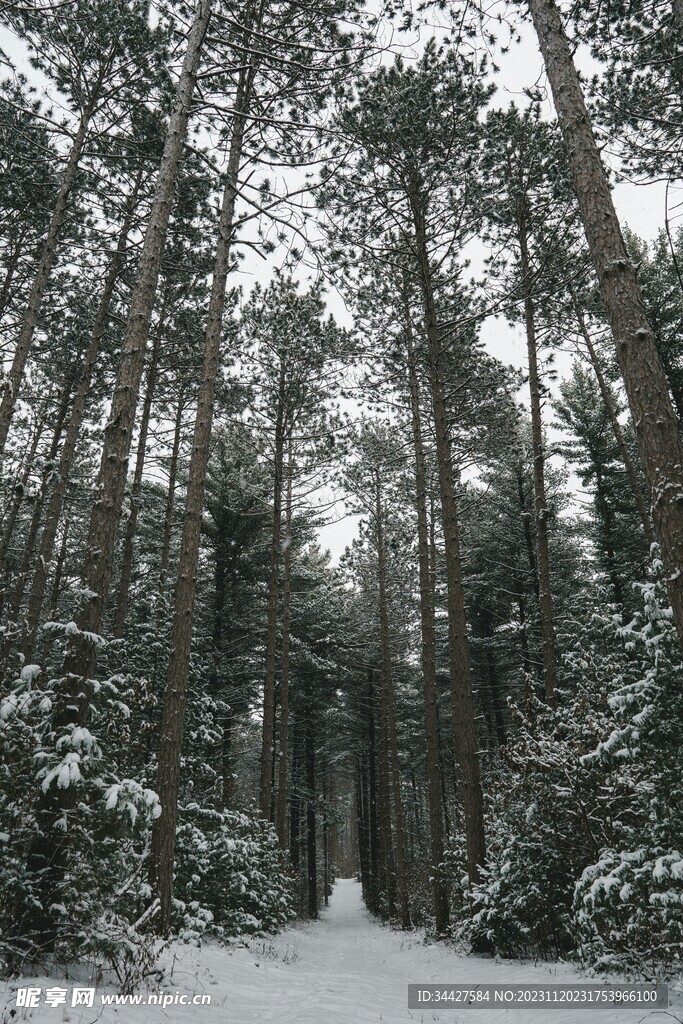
{"x": 527, "y": 667}
{"x": 170, "y": 496}
{"x": 542, "y": 545}
{"x": 38, "y": 501}
{"x": 326, "y": 845}
{"x": 464, "y": 723}
{"x": 40, "y": 281}
{"x": 311, "y": 843}
{"x": 226, "y": 759}
{"x": 376, "y": 861}
{"x": 629, "y": 464}
{"x": 677, "y": 8}
{"x": 56, "y": 587}
{"x": 12, "y": 265}
{"x": 73, "y": 430}
{"x": 268, "y": 735}
{"x": 655, "y": 421}
{"x": 281, "y": 816}
{"x": 528, "y": 535}
{"x": 20, "y": 490}
{"x": 175, "y": 700}
{"x": 389, "y": 698}
{"x": 386, "y": 851}
{"x": 362, "y": 825}
{"x": 439, "y": 899}
{"x": 295, "y": 802}
{"x": 80, "y": 660}
{"x": 136, "y": 489}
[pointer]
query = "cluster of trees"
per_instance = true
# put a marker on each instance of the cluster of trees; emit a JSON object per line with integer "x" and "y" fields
{"x": 202, "y": 719}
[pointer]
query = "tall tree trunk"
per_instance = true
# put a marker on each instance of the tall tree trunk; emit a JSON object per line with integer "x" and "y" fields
{"x": 387, "y": 684}
{"x": 629, "y": 464}
{"x": 281, "y": 816}
{"x": 38, "y": 501}
{"x": 170, "y": 496}
{"x": 542, "y": 545}
{"x": 80, "y": 659}
{"x": 175, "y": 700}
{"x": 311, "y": 843}
{"x": 677, "y": 8}
{"x": 464, "y": 723}
{"x": 11, "y": 267}
{"x": 326, "y": 844}
{"x": 295, "y": 802}
{"x": 377, "y": 883}
{"x": 528, "y": 533}
{"x": 268, "y": 735}
{"x": 136, "y": 489}
{"x": 19, "y": 491}
{"x": 56, "y": 588}
{"x": 361, "y": 799}
{"x": 73, "y": 430}
{"x": 439, "y": 899}
{"x": 40, "y": 281}
{"x": 527, "y": 667}
{"x": 655, "y": 421}
{"x": 385, "y": 842}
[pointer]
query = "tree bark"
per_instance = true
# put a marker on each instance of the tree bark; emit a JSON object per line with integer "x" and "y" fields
{"x": 73, "y": 430}
{"x": 677, "y": 8}
{"x": 464, "y": 723}
{"x": 268, "y": 735}
{"x": 136, "y": 489}
{"x": 281, "y": 815}
{"x": 175, "y": 700}
{"x": 361, "y": 796}
{"x": 439, "y": 899}
{"x": 170, "y": 496}
{"x": 629, "y": 465}
{"x": 545, "y": 597}
{"x": 311, "y": 843}
{"x": 20, "y": 490}
{"x": 387, "y": 684}
{"x": 38, "y": 501}
{"x": 655, "y": 421}
{"x": 40, "y": 281}
{"x": 295, "y": 803}
{"x": 80, "y": 659}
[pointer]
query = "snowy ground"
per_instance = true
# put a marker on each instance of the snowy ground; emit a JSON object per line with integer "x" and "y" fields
{"x": 345, "y": 969}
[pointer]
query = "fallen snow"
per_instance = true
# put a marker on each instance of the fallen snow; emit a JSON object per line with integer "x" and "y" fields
{"x": 344, "y": 969}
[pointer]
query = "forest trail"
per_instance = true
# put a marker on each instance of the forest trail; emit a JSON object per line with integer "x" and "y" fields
{"x": 345, "y": 968}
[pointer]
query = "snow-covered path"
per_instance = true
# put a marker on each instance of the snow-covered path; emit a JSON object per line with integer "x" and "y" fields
{"x": 344, "y": 969}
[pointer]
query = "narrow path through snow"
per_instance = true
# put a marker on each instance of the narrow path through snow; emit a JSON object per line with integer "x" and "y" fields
{"x": 346, "y": 968}
{"x": 349, "y": 969}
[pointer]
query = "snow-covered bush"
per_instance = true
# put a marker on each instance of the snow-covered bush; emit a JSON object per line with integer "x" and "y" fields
{"x": 538, "y": 844}
{"x": 73, "y": 831}
{"x": 629, "y": 910}
{"x": 628, "y": 907}
{"x": 231, "y": 875}
{"x": 585, "y": 822}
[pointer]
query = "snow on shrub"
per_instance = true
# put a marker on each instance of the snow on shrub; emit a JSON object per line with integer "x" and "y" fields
{"x": 64, "y": 802}
{"x": 231, "y": 875}
{"x": 585, "y": 820}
